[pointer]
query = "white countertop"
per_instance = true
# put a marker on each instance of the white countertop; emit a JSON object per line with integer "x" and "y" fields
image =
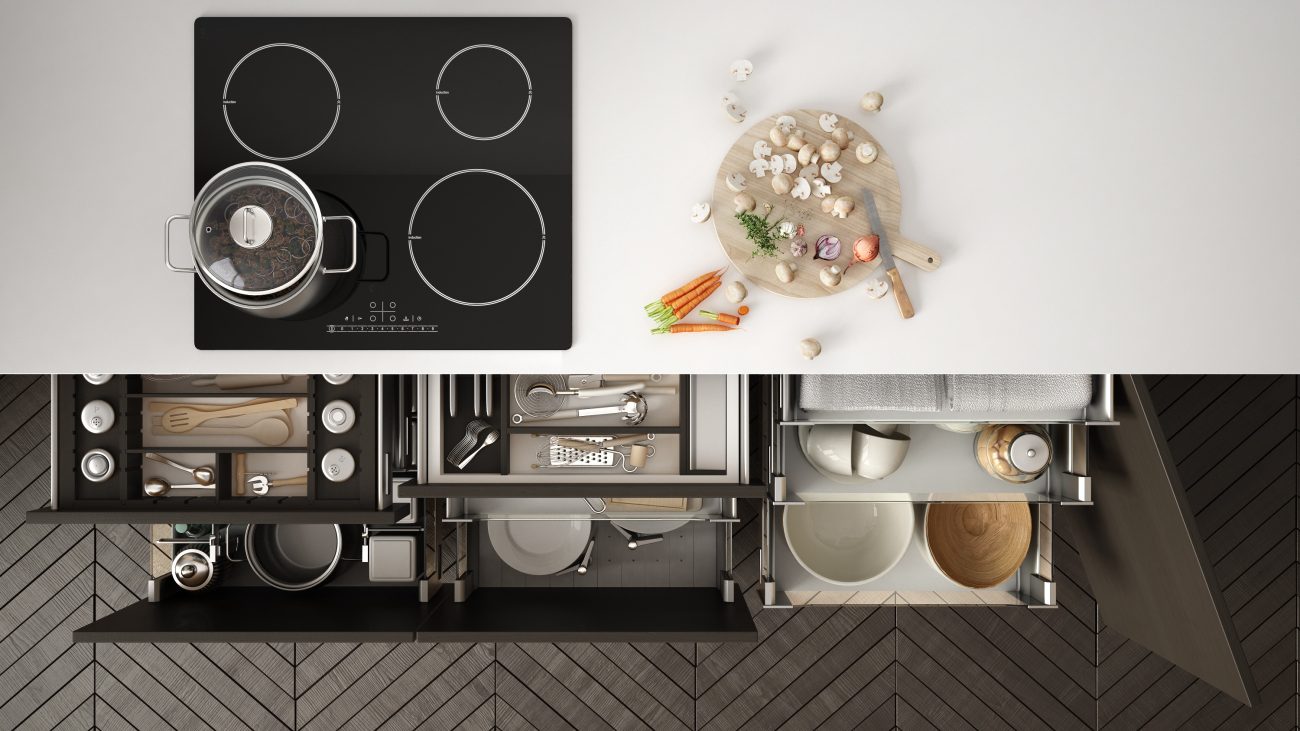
{"x": 1113, "y": 186}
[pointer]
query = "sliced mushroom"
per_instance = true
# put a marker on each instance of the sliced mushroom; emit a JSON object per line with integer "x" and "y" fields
{"x": 842, "y": 137}
{"x": 736, "y": 182}
{"x": 820, "y": 188}
{"x": 802, "y": 189}
{"x": 700, "y": 212}
{"x": 866, "y": 152}
{"x": 808, "y": 172}
{"x": 741, "y": 69}
{"x": 788, "y": 164}
{"x": 758, "y": 166}
{"x": 832, "y": 172}
{"x": 843, "y": 207}
{"x": 778, "y": 137}
{"x": 877, "y": 287}
{"x": 744, "y": 203}
{"x": 786, "y": 123}
{"x": 827, "y": 122}
{"x": 762, "y": 149}
{"x": 732, "y": 107}
{"x": 829, "y": 151}
{"x": 872, "y": 101}
{"x": 781, "y": 183}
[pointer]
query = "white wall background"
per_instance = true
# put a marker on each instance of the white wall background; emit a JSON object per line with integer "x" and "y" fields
{"x": 1113, "y": 185}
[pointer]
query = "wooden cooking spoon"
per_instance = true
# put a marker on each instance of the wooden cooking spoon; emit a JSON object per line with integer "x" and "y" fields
{"x": 184, "y": 418}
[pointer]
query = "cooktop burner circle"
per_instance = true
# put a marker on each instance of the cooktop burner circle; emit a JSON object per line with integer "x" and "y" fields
{"x": 284, "y": 98}
{"x": 489, "y": 92}
{"x": 467, "y": 264}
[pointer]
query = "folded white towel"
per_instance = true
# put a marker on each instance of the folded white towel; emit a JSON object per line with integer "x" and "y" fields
{"x": 1029, "y": 392}
{"x": 870, "y": 392}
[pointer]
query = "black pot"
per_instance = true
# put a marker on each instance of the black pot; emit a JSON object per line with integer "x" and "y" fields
{"x": 293, "y": 556}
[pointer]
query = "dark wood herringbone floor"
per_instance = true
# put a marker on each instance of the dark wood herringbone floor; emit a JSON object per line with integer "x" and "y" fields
{"x": 1235, "y": 440}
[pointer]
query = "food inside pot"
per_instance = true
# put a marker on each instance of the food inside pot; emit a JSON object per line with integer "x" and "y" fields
{"x": 257, "y": 266}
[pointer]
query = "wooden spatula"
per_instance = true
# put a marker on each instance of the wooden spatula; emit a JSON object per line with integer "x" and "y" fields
{"x": 184, "y": 418}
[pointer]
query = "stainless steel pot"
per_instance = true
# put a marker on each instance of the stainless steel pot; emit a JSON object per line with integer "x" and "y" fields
{"x": 293, "y": 556}
{"x": 257, "y": 237}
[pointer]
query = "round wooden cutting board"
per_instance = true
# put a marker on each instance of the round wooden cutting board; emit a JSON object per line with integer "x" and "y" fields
{"x": 879, "y": 177}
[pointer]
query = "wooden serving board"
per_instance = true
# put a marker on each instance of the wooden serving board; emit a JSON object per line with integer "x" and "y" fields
{"x": 878, "y": 176}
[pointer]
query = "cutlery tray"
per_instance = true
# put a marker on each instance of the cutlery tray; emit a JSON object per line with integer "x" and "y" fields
{"x": 74, "y": 497}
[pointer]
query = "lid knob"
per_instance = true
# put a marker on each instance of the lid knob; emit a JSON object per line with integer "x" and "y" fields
{"x": 250, "y": 227}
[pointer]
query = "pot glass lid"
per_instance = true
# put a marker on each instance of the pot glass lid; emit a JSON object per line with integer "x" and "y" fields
{"x": 255, "y": 238}
{"x": 281, "y": 101}
{"x": 484, "y": 92}
{"x": 477, "y": 237}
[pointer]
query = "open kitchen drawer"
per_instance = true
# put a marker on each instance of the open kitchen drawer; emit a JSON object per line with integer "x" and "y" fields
{"x": 131, "y": 409}
{"x": 1113, "y": 484}
{"x": 699, "y": 427}
{"x": 645, "y": 574}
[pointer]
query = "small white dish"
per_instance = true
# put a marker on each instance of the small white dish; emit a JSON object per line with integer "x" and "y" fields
{"x": 877, "y": 454}
{"x": 848, "y": 543}
{"x": 539, "y": 547}
{"x": 829, "y": 447}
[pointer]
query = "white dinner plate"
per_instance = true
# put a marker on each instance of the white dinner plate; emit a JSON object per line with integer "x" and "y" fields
{"x": 539, "y": 547}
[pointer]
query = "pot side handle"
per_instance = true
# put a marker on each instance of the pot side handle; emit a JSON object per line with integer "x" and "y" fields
{"x": 167, "y": 245}
{"x": 352, "y": 222}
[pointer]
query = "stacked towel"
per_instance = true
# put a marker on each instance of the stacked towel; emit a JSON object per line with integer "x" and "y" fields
{"x": 1015, "y": 393}
{"x": 870, "y": 392}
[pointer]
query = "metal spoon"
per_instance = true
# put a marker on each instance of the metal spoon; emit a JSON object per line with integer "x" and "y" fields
{"x": 202, "y": 475}
{"x": 156, "y": 487}
{"x": 491, "y": 438}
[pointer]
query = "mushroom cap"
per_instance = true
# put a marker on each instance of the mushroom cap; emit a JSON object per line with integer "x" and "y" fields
{"x": 829, "y": 151}
{"x": 795, "y": 140}
{"x": 778, "y": 136}
{"x": 866, "y": 152}
{"x": 744, "y": 202}
{"x": 781, "y": 183}
{"x": 872, "y": 101}
{"x": 841, "y": 137}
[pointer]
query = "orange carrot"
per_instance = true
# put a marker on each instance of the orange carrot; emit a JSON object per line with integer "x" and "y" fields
{"x": 692, "y": 327}
{"x": 721, "y": 317}
{"x": 744, "y": 310}
{"x": 666, "y": 302}
{"x": 691, "y": 295}
{"x": 684, "y": 310}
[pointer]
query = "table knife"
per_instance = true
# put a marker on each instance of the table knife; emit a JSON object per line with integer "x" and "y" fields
{"x": 886, "y": 259}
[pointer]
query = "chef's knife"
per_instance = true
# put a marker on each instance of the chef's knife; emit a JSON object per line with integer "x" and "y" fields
{"x": 887, "y": 259}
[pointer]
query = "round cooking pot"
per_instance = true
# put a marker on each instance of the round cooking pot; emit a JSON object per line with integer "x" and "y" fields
{"x": 257, "y": 236}
{"x": 293, "y": 556}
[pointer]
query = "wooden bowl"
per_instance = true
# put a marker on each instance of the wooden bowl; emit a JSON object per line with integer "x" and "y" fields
{"x": 978, "y": 545}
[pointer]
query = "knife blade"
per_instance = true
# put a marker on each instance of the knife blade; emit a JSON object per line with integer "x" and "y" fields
{"x": 886, "y": 258}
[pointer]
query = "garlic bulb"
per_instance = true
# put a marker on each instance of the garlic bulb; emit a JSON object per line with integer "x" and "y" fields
{"x": 831, "y": 275}
{"x": 736, "y": 292}
{"x": 872, "y": 101}
{"x": 785, "y": 272}
{"x": 798, "y": 247}
{"x": 744, "y": 203}
{"x": 830, "y": 152}
{"x": 810, "y": 348}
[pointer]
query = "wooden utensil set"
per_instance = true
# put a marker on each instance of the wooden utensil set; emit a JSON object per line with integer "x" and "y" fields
{"x": 206, "y": 419}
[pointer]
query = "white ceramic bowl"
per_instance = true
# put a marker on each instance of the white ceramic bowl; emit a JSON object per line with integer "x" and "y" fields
{"x": 539, "y": 547}
{"x": 829, "y": 447}
{"x": 848, "y": 543}
{"x": 876, "y": 454}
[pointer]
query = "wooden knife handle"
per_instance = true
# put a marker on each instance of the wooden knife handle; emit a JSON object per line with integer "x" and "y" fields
{"x": 900, "y": 294}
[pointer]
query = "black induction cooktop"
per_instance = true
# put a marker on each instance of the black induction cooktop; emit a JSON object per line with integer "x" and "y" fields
{"x": 449, "y": 140}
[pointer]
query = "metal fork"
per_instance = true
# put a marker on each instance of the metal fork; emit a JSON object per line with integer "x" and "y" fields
{"x": 472, "y": 431}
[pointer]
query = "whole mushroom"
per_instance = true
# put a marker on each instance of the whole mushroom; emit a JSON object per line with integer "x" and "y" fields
{"x": 831, "y": 275}
{"x": 842, "y": 137}
{"x": 785, "y": 271}
{"x": 843, "y": 207}
{"x": 810, "y": 348}
{"x": 736, "y": 292}
{"x": 828, "y": 204}
{"x": 745, "y": 203}
{"x": 795, "y": 141}
{"x": 872, "y": 101}
{"x": 778, "y": 136}
{"x": 808, "y": 154}
{"x": 781, "y": 183}
{"x": 829, "y": 151}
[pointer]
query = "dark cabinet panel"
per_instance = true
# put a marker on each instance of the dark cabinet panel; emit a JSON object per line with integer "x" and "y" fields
{"x": 590, "y": 615}
{"x": 1144, "y": 556}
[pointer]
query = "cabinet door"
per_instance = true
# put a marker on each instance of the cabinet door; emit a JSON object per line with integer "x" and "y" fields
{"x": 1144, "y": 556}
